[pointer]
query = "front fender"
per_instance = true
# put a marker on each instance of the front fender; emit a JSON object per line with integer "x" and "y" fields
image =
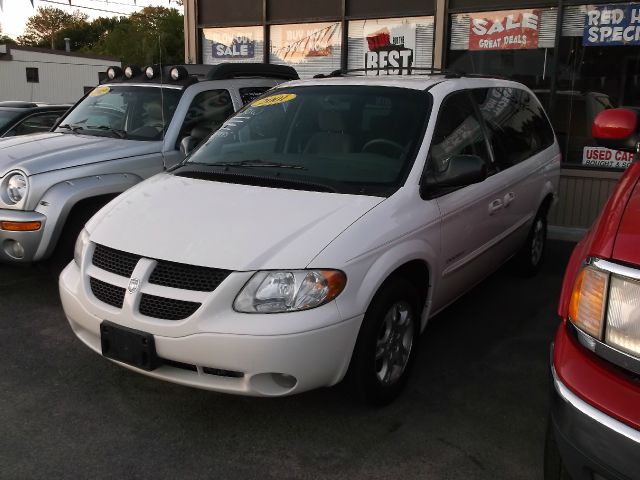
{"x": 57, "y": 202}
{"x": 373, "y": 269}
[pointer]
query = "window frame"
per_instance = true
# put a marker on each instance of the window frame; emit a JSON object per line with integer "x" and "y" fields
{"x": 31, "y": 78}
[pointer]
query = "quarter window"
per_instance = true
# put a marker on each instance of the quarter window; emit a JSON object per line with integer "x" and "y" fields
{"x": 458, "y": 132}
{"x": 516, "y": 124}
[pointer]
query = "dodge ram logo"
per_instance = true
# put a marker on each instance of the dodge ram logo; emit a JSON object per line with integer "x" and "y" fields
{"x": 134, "y": 283}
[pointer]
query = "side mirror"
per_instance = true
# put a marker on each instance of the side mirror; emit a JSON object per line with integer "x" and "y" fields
{"x": 462, "y": 170}
{"x": 188, "y": 144}
{"x": 617, "y": 128}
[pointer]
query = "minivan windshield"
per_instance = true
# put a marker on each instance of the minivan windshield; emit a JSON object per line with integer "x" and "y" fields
{"x": 350, "y": 139}
{"x": 123, "y": 111}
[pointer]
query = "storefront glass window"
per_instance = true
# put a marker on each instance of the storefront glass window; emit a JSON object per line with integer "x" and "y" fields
{"x": 517, "y": 44}
{"x": 310, "y": 48}
{"x": 232, "y": 44}
{"x": 390, "y": 42}
{"x": 599, "y": 68}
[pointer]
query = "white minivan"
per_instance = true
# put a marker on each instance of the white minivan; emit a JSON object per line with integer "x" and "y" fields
{"x": 314, "y": 234}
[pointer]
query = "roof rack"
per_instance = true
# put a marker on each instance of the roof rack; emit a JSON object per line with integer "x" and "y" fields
{"x": 407, "y": 71}
{"x": 225, "y": 71}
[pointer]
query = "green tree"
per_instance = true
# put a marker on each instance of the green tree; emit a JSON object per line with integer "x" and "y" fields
{"x": 153, "y": 35}
{"x": 85, "y": 36}
{"x": 42, "y": 28}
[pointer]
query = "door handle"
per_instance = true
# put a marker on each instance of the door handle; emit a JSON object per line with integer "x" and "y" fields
{"x": 508, "y": 198}
{"x": 495, "y": 206}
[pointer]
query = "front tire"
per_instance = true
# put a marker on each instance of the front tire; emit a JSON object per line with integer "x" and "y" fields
{"x": 387, "y": 344}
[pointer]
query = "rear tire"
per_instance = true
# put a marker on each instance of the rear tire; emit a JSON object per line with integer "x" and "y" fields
{"x": 530, "y": 257}
{"x": 386, "y": 345}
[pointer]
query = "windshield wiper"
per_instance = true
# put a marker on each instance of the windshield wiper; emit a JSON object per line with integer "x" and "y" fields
{"x": 119, "y": 133}
{"x": 73, "y": 128}
{"x": 254, "y": 163}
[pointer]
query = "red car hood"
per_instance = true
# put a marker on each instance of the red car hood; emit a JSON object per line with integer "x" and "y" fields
{"x": 627, "y": 243}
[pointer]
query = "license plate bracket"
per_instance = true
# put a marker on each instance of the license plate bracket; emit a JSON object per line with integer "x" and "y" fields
{"x": 129, "y": 346}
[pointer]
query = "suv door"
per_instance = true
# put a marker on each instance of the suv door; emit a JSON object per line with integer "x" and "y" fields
{"x": 520, "y": 135}
{"x": 470, "y": 216}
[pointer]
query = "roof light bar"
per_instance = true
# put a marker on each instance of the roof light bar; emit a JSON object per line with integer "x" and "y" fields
{"x": 131, "y": 71}
{"x": 113, "y": 72}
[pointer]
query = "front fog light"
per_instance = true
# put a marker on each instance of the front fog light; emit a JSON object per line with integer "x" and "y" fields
{"x": 623, "y": 316}
{"x": 81, "y": 242}
{"x": 587, "y": 305}
{"x": 289, "y": 291}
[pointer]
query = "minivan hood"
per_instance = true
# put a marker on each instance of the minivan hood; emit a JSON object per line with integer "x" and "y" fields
{"x": 222, "y": 225}
{"x": 43, "y": 152}
{"x": 625, "y": 248}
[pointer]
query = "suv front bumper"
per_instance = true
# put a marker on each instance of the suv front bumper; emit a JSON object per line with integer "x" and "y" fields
{"x": 590, "y": 442}
{"x": 20, "y": 246}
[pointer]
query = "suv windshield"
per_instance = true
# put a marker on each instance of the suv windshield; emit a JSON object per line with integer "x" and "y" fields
{"x": 124, "y": 111}
{"x": 6, "y": 116}
{"x": 347, "y": 139}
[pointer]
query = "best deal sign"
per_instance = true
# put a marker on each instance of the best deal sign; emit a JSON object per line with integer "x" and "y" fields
{"x": 505, "y": 30}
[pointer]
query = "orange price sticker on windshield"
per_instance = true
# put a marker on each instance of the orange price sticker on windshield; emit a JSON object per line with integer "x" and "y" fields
{"x": 274, "y": 99}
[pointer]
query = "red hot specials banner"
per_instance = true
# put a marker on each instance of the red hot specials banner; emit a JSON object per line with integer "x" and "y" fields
{"x": 505, "y": 30}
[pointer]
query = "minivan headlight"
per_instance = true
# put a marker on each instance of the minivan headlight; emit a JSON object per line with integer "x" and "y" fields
{"x": 16, "y": 187}
{"x": 81, "y": 242}
{"x": 289, "y": 290}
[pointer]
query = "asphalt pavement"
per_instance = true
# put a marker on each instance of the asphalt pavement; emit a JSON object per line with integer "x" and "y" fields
{"x": 475, "y": 407}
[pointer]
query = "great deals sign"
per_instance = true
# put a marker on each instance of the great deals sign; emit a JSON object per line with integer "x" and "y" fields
{"x": 504, "y": 30}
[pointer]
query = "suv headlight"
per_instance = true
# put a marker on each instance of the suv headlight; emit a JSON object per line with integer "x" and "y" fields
{"x": 623, "y": 317}
{"x": 289, "y": 290}
{"x": 16, "y": 187}
{"x": 81, "y": 242}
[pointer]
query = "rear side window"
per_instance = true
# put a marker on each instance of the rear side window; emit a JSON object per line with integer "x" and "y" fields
{"x": 516, "y": 124}
{"x": 458, "y": 132}
{"x": 249, "y": 94}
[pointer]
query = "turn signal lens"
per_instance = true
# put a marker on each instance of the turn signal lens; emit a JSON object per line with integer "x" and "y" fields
{"x": 587, "y": 305}
{"x": 20, "y": 226}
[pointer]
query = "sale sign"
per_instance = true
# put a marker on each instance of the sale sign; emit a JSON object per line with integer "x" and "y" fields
{"x": 504, "y": 30}
{"x": 605, "y": 157}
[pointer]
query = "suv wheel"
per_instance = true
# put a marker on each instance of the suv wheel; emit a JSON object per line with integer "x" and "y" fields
{"x": 529, "y": 259}
{"x": 386, "y": 344}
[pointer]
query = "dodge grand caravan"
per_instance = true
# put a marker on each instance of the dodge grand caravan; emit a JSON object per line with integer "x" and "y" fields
{"x": 311, "y": 237}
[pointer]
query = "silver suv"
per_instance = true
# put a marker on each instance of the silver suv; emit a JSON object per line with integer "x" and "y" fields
{"x": 123, "y": 131}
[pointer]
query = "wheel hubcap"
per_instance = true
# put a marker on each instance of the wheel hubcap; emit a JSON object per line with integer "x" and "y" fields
{"x": 394, "y": 343}
{"x": 537, "y": 242}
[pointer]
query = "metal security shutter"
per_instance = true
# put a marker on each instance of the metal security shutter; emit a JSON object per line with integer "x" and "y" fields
{"x": 308, "y": 66}
{"x": 573, "y": 20}
{"x": 546, "y": 33}
{"x": 423, "y": 49}
{"x": 210, "y": 34}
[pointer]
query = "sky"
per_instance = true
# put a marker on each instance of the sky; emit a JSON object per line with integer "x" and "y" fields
{"x": 14, "y": 13}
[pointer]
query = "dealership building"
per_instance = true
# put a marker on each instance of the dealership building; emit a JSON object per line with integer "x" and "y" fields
{"x": 578, "y": 58}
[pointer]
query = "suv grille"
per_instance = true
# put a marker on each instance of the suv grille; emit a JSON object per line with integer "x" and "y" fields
{"x": 166, "y": 308}
{"x": 115, "y": 261}
{"x": 107, "y": 293}
{"x": 187, "y": 277}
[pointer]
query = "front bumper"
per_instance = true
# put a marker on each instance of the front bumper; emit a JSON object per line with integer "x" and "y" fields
{"x": 590, "y": 442}
{"x": 29, "y": 242}
{"x": 262, "y": 364}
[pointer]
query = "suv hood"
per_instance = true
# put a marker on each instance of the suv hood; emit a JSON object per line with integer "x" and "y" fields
{"x": 43, "y": 152}
{"x": 222, "y": 225}
{"x": 625, "y": 248}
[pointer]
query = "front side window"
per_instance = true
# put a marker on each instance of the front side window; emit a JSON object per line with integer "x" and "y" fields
{"x": 458, "y": 131}
{"x": 353, "y": 139}
{"x": 516, "y": 124}
{"x": 7, "y": 116}
{"x": 40, "y": 122}
{"x": 123, "y": 111}
{"x": 208, "y": 110}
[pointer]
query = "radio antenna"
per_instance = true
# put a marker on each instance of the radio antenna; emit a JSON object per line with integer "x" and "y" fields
{"x": 164, "y": 164}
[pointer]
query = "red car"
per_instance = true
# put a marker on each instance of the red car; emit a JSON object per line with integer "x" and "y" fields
{"x": 594, "y": 427}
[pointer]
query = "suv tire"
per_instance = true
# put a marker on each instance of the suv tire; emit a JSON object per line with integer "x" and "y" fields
{"x": 387, "y": 343}
{"x": 529, "y": 259}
